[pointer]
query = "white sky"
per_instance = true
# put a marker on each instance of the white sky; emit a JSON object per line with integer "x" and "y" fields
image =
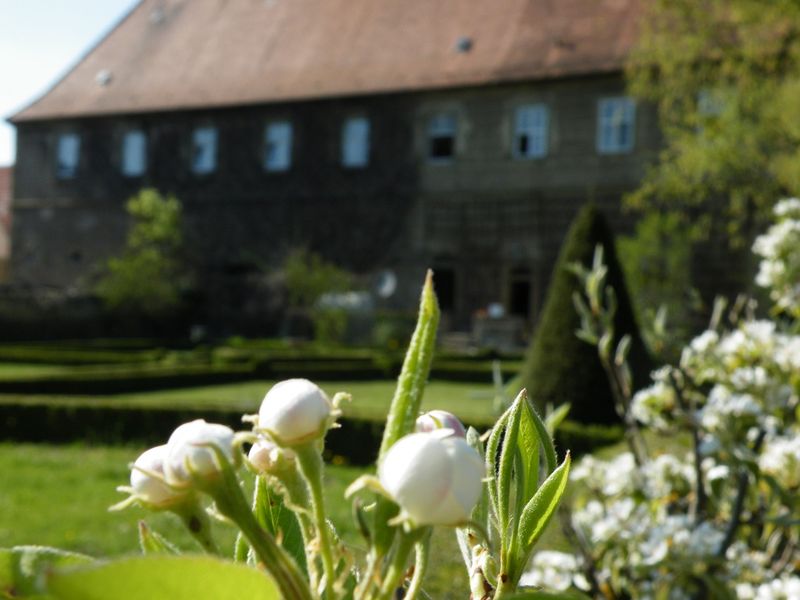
{"x": 39, "y": 41}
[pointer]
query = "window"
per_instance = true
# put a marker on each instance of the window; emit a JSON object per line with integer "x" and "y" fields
{"x": 134, "y": 153}
{"x": 355, "y": 142}
{"x": 204, "y": 150}
{"x": 615, "y": 125}
{"x": 278, "y": 146}
{"x": 442, "y": 137}
{"x": 68, "y": 152}
{"x": 531, "y": 131}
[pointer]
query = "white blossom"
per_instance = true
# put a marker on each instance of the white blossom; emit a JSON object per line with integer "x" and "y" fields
{"x": 555, "y": 571}
{"x": 781, "y": 459}
{"x": 147, "y": 480}
{"x": 440, "y": 419}
{"x": 294, "y": 411}
{"x": 191, "y": 452}
{"x": 436, "y": 478}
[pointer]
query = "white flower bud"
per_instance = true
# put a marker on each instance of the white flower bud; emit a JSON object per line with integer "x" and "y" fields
{"x": 294, "y": 411}
{"x": 190, "y": 455}
{"x": 148, "y": 483}
{"x": 436, "y": 478}
{"x": 267, "y": 457}
{"x": 440, "y": 419}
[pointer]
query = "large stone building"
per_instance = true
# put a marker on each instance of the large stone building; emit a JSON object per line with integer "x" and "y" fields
{"x": 385, "y": 134}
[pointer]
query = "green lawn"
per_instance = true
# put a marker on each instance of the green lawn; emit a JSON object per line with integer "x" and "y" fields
{"x": 17, "y": 370}
{"x": 59, "y": 496}
{"x": 472, "y": 402}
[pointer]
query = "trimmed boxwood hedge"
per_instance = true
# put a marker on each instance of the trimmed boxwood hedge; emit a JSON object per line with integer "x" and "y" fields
{"x": 559, "y": 367}
{"x": 355, "y": 442}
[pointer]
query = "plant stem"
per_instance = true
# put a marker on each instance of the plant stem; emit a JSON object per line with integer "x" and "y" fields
{"x": 310, "y": 461}
{"x": 699, "y": 505}
{"x": 199, "y": 525}
{"x": 738, "y": 503}
{"x": 296, "y": 494}
{"x": 421, "y": 555}
{"x": 231, "y": 502}
{"x": 397, "y": 568}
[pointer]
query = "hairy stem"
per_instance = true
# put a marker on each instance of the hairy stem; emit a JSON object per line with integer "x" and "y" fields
{"x": 310, "y": 462}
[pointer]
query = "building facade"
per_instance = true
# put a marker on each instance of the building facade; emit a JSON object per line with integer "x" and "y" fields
{"x": 392, "y": 137}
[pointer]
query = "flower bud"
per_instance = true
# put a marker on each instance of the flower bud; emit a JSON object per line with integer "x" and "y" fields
{"x": 294, "y": 411}
{"x": 190, "y": 454}
{"x": 436, "y": 478}
{"x": 266, "y": 457}
{"x": 440, "y": 419}
{"x": 147, "y": 480}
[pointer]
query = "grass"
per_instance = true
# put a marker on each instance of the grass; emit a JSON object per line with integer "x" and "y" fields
{"x": 59, "y": 496}
{"x": 17, "y": 370}
{"x": 371, "y": 399}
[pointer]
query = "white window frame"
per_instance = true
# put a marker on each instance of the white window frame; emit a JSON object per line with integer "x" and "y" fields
{"x": 531, "y": 121}
{"x": 134, "y": 153}
{"x": 205, "y": 140}
{"x": 355, "y": 142}
{"x": 68, "y": 155}
{"x": 616, "y": 125}
{"x": 440, "y": 125}
{"x": 278, "y": 141}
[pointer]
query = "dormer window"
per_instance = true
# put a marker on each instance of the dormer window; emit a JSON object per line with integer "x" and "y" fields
{"x": 134, "y": 153}
{"x": 278, "y": 146}
{"x": 68, "y": 152}
{"x": 355, "y": 142}
{"x": 615, "y": 125}
{"x": 442, "y": 137}
{"x": 204, "y": 150}
{"x": 531, "y": 131}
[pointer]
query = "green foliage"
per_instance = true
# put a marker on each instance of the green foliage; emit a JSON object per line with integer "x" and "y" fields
{"x": 21, "y": 568}
{"x": 656, "y": 260}
{"x": 559, "y": 367}
{"x": 725, "y": 76}
{"x": 308, "y": 276}
{"x": 148, "y": 277}
{"x": 163, "y": 578}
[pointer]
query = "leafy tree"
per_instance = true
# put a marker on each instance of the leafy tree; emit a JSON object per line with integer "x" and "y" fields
{"x": 725, "y": 76}
{"x": 561, "y": 368}
{"x": 148, "y": 277}
{"x": 308, "y": 277}
{"x": 656, "y": 260}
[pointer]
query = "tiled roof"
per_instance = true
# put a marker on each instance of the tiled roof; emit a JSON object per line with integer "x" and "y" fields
{"x": 181, "y": 54}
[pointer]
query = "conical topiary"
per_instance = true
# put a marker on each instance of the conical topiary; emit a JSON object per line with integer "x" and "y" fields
{"x": 558, "y": 366}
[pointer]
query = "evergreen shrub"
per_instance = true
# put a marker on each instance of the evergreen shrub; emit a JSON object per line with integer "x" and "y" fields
{"x": 558, "y": 366}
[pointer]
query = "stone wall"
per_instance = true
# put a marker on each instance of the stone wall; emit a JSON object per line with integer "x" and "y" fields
{"x": 491, "y": 224}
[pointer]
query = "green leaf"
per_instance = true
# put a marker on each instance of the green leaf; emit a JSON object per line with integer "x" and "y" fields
{"x": 279, "y": 521}
{"x": 508, "y": 454}
{"x": 416, "y": 368}
{"x": 528, "y": 443}
{"x": 22, "y": 569}
{"x": 407, "y": 400}
{"x": 537, "y": 515}
{"x": 152, "y": 542}
{"x": 163, "y": 578}
{"x": 545, "y": 438}
{"x": 554, "y": 419}
{"x": 492, "y": 446}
